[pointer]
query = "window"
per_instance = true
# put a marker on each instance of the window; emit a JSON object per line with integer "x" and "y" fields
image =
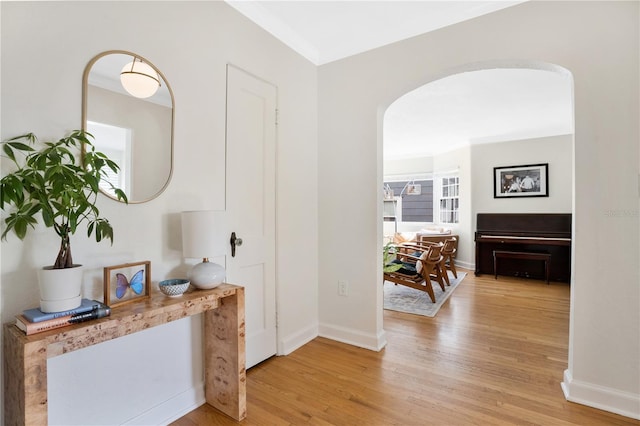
{"x": 414, "y": 200}
{"x": 449, "y": 199}
{"x": 427, "y": 200}
{"x": 115, "y": 142}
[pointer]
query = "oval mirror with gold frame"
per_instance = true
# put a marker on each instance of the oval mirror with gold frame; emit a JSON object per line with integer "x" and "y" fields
{"x": 132, "y": 125}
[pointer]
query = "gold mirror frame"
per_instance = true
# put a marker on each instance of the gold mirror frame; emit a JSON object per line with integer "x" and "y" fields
{"x": 85, "y": 105}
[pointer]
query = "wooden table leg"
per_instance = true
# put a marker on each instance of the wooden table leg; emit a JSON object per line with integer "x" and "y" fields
{"x": 224, "y": 357}
{"x": 25, "y": 380}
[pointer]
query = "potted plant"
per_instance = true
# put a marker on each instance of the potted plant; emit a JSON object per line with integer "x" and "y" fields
{"x": 53, "y": 182}
{"x": 388, "y": 256}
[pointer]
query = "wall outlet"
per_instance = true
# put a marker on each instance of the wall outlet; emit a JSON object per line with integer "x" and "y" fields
{"x": 343, "y": 288}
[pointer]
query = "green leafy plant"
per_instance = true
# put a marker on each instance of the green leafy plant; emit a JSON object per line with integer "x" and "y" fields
{"x": 389, "y": 254}
{"x": 54, "y": 182}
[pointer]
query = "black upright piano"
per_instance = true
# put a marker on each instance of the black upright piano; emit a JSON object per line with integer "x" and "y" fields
{"x": 525, "y": 232}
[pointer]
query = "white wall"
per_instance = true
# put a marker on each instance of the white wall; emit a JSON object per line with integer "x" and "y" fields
{"x": 598, "y": 43}
{"x": 45, "y": 47}
{"x": 557, "y": 151}
{"x": 408, "y": 166}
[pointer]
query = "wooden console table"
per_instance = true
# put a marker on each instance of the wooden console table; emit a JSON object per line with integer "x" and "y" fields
{"x": 25, "y": 357}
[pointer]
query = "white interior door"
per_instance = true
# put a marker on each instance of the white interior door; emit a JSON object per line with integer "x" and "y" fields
{"x": 250, "y": 193}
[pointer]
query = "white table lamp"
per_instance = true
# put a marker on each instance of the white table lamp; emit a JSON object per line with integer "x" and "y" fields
{"x": 203, "y": 236}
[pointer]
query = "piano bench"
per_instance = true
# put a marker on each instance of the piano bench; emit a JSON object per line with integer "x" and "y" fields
{"x": 505, "y": 254}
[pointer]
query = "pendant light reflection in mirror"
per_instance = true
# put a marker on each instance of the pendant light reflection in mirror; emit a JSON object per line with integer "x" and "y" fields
{"x": 139, "y": 79}
{"x": 128, "y": 106}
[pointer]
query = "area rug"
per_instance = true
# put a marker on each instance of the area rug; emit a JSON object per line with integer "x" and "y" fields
{"x": 406, "y": 299}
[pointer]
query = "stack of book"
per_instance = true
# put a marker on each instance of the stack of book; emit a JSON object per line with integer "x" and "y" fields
{"x": 34, "y": 320}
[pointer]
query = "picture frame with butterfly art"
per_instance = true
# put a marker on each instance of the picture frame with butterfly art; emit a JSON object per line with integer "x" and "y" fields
{"x": 127, "y": 283}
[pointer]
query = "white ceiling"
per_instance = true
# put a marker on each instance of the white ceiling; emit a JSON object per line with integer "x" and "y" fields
{"x": 478, "y": 107}
{"x": 325, "y": 31}
{"x": 475, "y": 107}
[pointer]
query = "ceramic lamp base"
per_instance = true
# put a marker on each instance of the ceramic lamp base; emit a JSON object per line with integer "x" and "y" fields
{"x": 207, "y": 275}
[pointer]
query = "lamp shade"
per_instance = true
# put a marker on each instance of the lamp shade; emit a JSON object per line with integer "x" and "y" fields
{"x": 139, "y": 79}
{"x": 203, "y": 234}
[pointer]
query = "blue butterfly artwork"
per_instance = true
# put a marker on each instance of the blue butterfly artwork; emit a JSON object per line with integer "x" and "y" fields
{"x": 136, "y": 284}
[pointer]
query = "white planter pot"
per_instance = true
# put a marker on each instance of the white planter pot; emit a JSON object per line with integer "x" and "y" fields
{"x": 60, "y": 289}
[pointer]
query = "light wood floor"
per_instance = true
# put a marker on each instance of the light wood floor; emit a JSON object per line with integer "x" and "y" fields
{"x": 494, "y": 355}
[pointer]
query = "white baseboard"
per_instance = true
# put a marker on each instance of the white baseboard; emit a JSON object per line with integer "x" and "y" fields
{"x": 298, "y": 339}
{"x": 172, "y": 409}
{"x": 601, "y": 397}
{"x": 466, "y": 265}
{"x": 354, "y": 337}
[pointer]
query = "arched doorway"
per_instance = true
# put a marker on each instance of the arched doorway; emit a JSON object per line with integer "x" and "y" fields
{"x": 468, "y": 121}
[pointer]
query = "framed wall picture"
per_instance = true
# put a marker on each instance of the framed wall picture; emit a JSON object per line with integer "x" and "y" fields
{"x": 521, "y": 181}
{"x": 127, "y": 283}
